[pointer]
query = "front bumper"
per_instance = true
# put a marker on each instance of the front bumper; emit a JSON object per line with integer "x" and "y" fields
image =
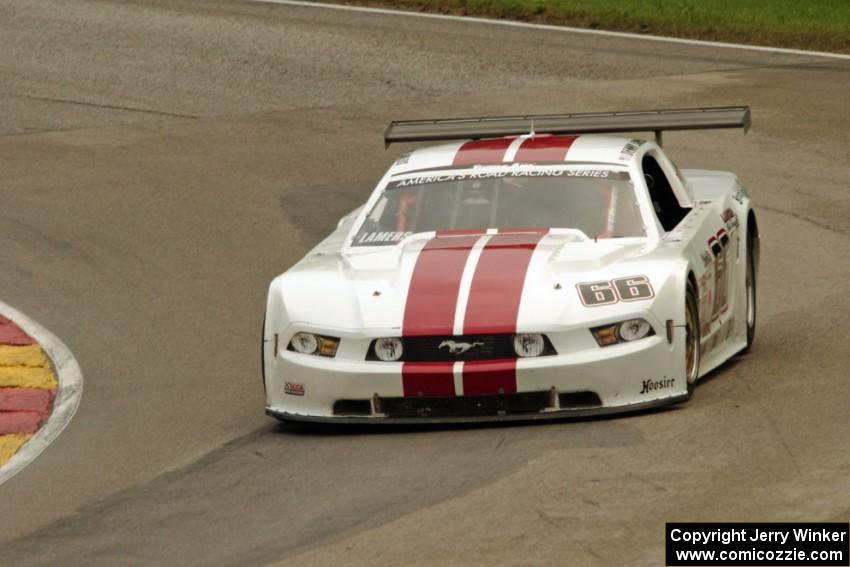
{"x": 621, "y": 378}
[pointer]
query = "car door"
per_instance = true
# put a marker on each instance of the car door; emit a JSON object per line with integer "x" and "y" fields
{"x": 707, "y": 232}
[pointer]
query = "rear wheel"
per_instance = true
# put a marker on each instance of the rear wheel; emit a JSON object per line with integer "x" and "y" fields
{"x": 692, "y": 338}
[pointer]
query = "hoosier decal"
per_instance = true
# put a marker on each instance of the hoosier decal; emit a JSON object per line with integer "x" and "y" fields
{"x": 651, "y": 385}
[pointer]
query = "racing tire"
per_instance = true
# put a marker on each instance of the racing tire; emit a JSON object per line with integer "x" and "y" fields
{"x": 692, "y": 339}
{"x": 750, "y": 287}
{"x": 263, "y": 354}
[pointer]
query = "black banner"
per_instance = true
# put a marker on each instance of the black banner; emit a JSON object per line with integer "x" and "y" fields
{"x": 757, "y": 544}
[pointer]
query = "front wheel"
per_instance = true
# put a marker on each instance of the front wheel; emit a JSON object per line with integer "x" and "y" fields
{"x": 692, "y": 338}
{"x": 751, "y": 294}
{"x": 263, "y": 354}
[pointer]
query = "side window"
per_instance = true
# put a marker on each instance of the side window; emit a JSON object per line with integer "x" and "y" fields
{"x": 664, "y": 201}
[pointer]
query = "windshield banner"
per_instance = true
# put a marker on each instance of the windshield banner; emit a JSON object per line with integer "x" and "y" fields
{"x": 451, "y": 177}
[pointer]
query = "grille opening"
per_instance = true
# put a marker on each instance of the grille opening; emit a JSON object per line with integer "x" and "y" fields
{"x": 438, "y": 348}
{"x": 466, "y": 406}
{"x": 579, "y": 400}
{"x": 352, "y": 407}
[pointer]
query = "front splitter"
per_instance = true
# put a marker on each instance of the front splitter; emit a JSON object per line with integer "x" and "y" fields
{"x": 518, "y": 417}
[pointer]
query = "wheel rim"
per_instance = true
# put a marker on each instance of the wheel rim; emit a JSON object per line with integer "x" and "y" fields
{"x": 751, "y": 299}
{"x": 691, "y": 344}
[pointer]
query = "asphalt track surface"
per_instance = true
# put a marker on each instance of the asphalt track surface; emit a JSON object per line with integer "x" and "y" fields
{"x": 160, "y": 162}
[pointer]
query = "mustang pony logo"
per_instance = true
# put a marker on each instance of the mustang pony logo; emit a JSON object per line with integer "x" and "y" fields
{"x": 458, "y": 348}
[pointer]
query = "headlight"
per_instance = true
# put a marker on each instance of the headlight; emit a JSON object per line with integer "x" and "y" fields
{"x": 624, "y": 331}
{"x": 388, "y": 349}
{"x": 308, "y": 343}
{"x": 528, "y": 345}
{"x": 634, "y": 329}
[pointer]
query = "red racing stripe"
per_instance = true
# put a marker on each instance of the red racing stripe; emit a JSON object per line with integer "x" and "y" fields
{"x": 482, "y": 152}
{"x": 515, "y": 230}
{"x": 497, "y": 283}
{"x": 544, "y": 148}
{"x": 462, "y": 232}
{"x": 428, "y": 379}
{"x": 493, "y": 307}
{"x": 489, "y": 377}
{"x": 430, "y": 310}
{"x": 434, "y": 286}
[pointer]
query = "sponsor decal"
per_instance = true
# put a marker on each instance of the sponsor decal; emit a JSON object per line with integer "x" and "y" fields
{"x": 458, "y": 348}
{"x": 630, "y": 148}
{"x": 731, "y": 220}
{"x": 293, "y": 388}
{"x": 706, "y": 258}
{"x": 372, "y": 237}
{"x": 514, "y": 170}
{"x": 588, "y": 173}
{"x": 650, "y": 385}
{"x": 718, "y": 245}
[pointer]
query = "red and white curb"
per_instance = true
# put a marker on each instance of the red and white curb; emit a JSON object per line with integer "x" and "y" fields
{"x": 67, "y": 394}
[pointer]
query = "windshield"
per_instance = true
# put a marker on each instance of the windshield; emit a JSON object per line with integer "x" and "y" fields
{"x": 599, "y": 202}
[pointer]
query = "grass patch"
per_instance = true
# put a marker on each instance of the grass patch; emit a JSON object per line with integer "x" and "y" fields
{"x": 822, "y": 25}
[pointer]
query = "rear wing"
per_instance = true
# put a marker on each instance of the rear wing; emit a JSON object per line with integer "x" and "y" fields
{"x": 585, "y": 123}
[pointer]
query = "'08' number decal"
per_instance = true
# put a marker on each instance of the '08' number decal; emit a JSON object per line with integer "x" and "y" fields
{"x": 632, "y": 288}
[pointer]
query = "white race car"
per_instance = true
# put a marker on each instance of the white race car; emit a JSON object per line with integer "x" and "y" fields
{"x": 539, "y": 267}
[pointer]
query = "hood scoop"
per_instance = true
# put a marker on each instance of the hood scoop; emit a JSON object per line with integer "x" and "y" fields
{"x": 590, "y": 255}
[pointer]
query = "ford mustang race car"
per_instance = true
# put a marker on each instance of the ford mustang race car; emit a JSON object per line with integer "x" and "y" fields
{"x": 530, "y": 267}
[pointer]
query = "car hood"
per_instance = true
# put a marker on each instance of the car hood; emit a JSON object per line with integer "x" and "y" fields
{"x": 521, "y": 282}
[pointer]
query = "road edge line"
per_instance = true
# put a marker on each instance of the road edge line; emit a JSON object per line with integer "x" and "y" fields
{"x": 567, "y": 29}
{"x": 68, "y": 394}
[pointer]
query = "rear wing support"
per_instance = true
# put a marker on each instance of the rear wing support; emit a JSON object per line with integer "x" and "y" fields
{"x": 656, "y": 121}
